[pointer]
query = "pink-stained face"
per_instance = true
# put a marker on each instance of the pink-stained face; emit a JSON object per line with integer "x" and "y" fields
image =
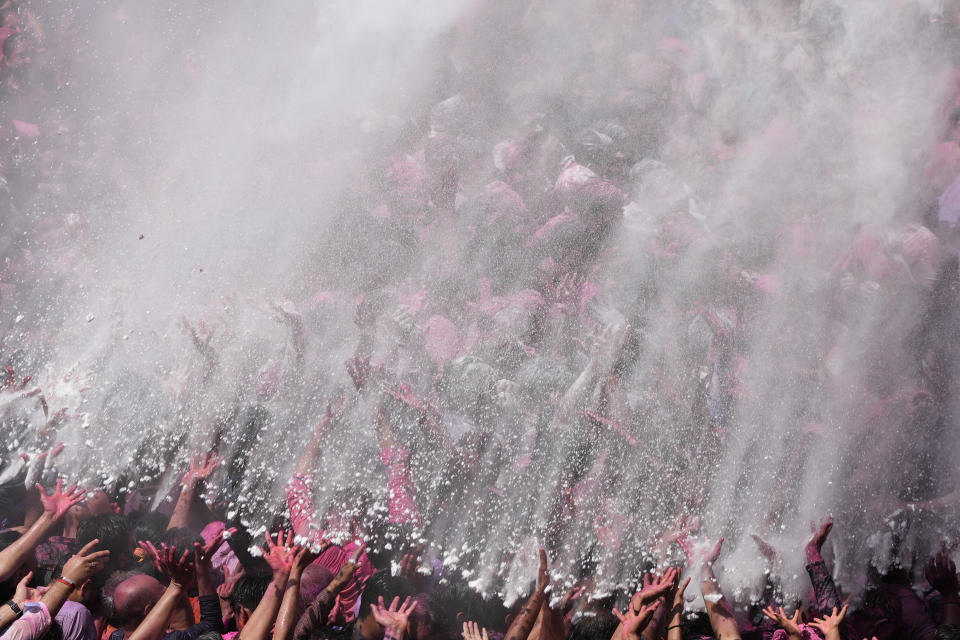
{"x": 20, "y": 57}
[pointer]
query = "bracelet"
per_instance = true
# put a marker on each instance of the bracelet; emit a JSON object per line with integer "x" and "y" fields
{"x": 674, "y": 626}
{"x": 16, "y": 608}
{"x": 67, "y": 581}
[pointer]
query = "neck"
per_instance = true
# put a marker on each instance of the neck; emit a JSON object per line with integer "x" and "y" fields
{"x": 182, "y": 616}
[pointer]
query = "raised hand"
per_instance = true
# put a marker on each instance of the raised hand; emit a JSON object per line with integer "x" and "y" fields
{"x": 346, "y": 571}
{"x": 676, "y": 608}
{"x": 543, "y": 574}
{"x": 941, "y": 573}
{"x": 203, "y": 553}
{"x": 229, "y": 580}
{"x": 634, "y": 622}
{"x": 201, "y": 469}
{"x": 359, "y": 371}
{"x": 410, "y": 568}
{"x": 790, "y": 625}
{"x": 201, "y": 336}
{"x": 180, "y": 568}
{"x": 830, "y": 625}
{"x": 473, "y": 631}
{"x": 818, "y": 538}
{"x": 695, "y": 557}
{"x": 23, "y": 591}
{"x": 653, "y": 587}
{"x": 153, "y": 554}
{"x": 287, "y": 310}
{"x": 555, "y": 622}
{"x": 280, "y": 556}
{"x": 59, "y": 502}
{"x": 394, "y": 619}
{"x": 766, "y": 549}
{"x": 85, "y": 563}
{"x": 11, "y": 382}
{"x": 301, "y": 560}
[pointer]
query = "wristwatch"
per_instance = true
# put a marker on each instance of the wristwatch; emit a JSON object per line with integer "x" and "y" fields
{"x": 16, "y": 608}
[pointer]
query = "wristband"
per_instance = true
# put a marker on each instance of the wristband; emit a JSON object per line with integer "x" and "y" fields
{"x": 16, "y": 608}
{"x": 67, "y": 581}
{"x": 674, "y": 626}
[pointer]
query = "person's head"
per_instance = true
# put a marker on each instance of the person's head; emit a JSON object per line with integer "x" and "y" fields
{"x": 384, "y": 585}
{"x": 329, "y": 633}
{"x": 246, "y": 595}
{"x": 593, "y": 626}
{"x": 947, "y": 632}
{"x": 10, "y": 19}
{"x": 181, "y": 538}
{"x": 151, "y": 527}
{"x": 432, "y": 621}
{"x": 133, "y": 599}
{"x": 313, "y": 581}
{"x": 456, "y": 598}
{"x": 113, "y": 532}
{"x": 96, "y": 504}
{"x": 8, "y": 586}
{"x": 16, "y": 52}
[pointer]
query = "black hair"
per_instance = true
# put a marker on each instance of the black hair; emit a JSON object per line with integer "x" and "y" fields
{"x": 329, "y": 633}
{"x": 947, "y": 632}
{"x": 182, "y": 538}
{"x": 440, "y": 617}
{"x": 10, "y": 43}
{"x": 111, "y": 529}
{"x": 385, "y": 585}
{"x": 593, "y": 626}
{"x": 151, "y": 527}
{"x": 457, "y": 596}
{"x": 248, "y": 592}
{"x": 210, "y": 635}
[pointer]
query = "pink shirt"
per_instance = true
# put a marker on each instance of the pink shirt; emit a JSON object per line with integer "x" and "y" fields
{"x": 31, "y": 625}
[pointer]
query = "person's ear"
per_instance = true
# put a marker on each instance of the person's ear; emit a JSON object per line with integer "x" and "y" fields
{"x": 85, "y": 590}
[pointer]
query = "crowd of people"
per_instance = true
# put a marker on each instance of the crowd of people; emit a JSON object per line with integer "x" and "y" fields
{"x": 597, "y": 311}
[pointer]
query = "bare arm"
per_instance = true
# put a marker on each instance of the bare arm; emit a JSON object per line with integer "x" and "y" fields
{"x": 280, "y": 557}
{"x": 77, "y": 570}
{"x": 287, "y": 617}
{"x": 155, "y": 624}
{"x": 942, "y": 576}
{"x": 719, "y": 611}
{"x": 523, "y": 623}
{"x": 180, "y": 570}
{"x": 199, "y": 471}
{"x": 54, "y": 507}
{"x": 675, "y": 621}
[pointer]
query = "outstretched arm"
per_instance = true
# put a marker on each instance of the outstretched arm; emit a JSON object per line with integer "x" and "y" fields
{"x": 719, "y": 611}
{"x": 199, "y": 471}
{"x": 181, "y": 570}
{"x": 942, "y": 576}
{"x": 55, "y": 506}
{"x": 287, "y": 616}
{"x": 280, "y": 557}
{"x": 523, "y": 623}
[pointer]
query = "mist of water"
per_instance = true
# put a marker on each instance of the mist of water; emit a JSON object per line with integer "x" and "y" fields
{"x": 769, "y": 258}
